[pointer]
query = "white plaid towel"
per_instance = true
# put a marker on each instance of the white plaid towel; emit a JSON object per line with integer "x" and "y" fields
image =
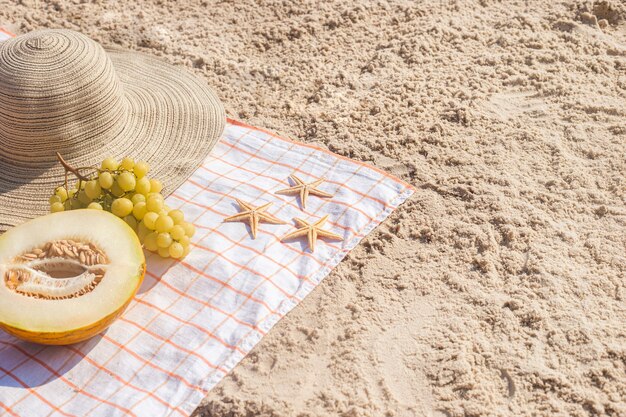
{"x": 193, "y": 321}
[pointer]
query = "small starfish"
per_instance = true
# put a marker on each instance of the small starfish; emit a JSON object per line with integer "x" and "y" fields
{"x": 303, "y": 189}
{"x": 253, "y": 215}
{"x": 311, "y": 231}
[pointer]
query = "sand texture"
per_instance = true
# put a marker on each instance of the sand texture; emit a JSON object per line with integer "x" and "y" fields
{"x": 498, "y": 289}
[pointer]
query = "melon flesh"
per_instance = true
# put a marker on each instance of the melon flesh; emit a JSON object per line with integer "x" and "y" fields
{"x": 43, "y": 317}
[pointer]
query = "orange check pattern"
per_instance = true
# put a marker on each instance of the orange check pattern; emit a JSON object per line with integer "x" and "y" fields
{"x": 193, "y": 321}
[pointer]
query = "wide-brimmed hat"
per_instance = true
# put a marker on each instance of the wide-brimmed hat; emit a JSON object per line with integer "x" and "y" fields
{"x": 62, "y": 92}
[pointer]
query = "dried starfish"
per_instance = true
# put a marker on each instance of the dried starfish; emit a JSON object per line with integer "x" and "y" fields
{"x": 253, "y": 215}
{"x": 303, "y": 189}
{"x": 311, "y": 231}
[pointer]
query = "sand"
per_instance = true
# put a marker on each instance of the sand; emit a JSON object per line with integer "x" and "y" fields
{"x": 498, "y": 289}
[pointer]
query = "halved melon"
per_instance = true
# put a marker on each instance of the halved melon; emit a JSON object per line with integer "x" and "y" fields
{"x": 67, "y": 276}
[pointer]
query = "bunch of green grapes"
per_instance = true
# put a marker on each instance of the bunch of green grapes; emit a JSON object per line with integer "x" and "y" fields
{"x": 125, "y": 190}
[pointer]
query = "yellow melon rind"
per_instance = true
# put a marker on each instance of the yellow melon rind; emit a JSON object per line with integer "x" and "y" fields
{"x": 75, "y": 335}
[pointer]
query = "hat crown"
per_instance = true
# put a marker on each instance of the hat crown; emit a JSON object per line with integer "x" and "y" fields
{"x": 58, "y": 92}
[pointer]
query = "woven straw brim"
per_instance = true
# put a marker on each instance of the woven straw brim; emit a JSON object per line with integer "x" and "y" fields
{"x": 174, "y": 120}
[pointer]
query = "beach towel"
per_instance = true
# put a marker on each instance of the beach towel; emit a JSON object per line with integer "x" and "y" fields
{"x": 193, "y": 320}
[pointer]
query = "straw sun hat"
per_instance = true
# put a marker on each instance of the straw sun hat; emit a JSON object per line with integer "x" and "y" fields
{"x": 62, "y": 92}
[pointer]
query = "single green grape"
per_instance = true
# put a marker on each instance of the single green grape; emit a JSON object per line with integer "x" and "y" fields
{"x": 164, "y": 223}
{"x": 83, "y": 198}
{"x": 131, "y": 221}
{"x": 138, "y": 198}
{"x": 141, "y": 169}
{"x": 54, "y": 199}
{"x": 154, "y": 204}
{"x": 121, "y": 207}
{"x": 142, "y": 186}
{"x": 177, "y": 216}
{"x": 185, "y": 240}
{"x": 164, "y": 252}
{"x": 155, "y": 185}
{"x": 139, "y": 210}
{"x": 127, "y": 164}
{"x": 149, "y": 220}
{"x": 62, "y": 193}
{"x": 176, "y": 250}
{"x": 116, "y": 190}
{"x": 156, "y": 195}
{"x": 164, "y": 240}
{"x": 95, "y": 206}
{"x": 93, "y": 189}
{"x": 72, "y": 204}
{"x": 190, "y": 229}
{"x": 110, "y": 163}
{"x": 126, "y": 181}
{"x": 142, "y": 232}
{"x": 72, "y": 193}
{"x": 150, "y": 241}
{"x": 177, "y": 232}
{"x": 56, "y": 207}
{"x": 106, "y": 180}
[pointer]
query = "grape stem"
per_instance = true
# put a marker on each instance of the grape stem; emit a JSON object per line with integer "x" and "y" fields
{"x": 76, "y": 172}
{"x": 69, "y": 168}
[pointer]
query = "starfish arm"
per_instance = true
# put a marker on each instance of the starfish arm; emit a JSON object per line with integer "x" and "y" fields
{"x": 321, "y": 221}
{"x": 330, "y": 235}
{"x": 295, "y": 233}
{"x": 244, "y": 205}
{"x": 263, "y": 207}
{"x": 268, "y": 218}
{"x": 319, "y": 193}
{"x": 304, "y": 193}
{"x": 289, "y": 191}
{"x": 254, "y": 224}
{"x": 238, "y": 217}
{"x": 312, "y": 238}
{"x": 301, "y": 223}
{"x": 316, "y": 183}
{"x": 296, "y": 180}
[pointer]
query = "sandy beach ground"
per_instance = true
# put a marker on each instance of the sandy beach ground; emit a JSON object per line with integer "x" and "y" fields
{"x": 498, "y": 289}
